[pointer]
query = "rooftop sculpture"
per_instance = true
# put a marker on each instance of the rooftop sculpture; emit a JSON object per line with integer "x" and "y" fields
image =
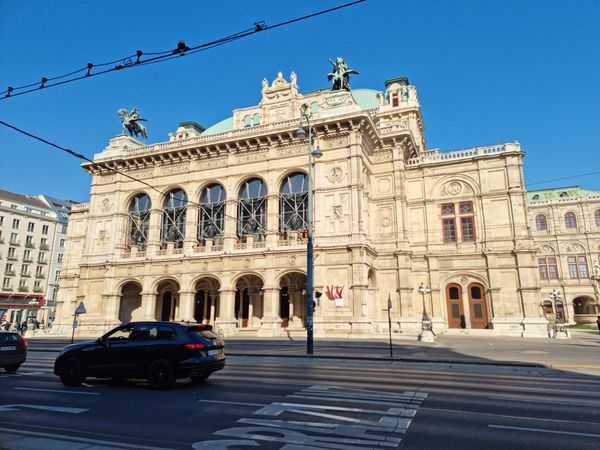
{"x": 340, "y": 75}
{"x": 130, "y": 121}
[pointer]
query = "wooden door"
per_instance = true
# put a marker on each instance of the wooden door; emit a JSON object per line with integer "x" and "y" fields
{"x": 477, "y": 306}
{"x": 456, "y": 314}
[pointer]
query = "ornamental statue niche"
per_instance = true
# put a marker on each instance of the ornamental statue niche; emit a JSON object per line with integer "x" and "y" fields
{"x": 340, "y": 75}
{"x": 130, "y": 121}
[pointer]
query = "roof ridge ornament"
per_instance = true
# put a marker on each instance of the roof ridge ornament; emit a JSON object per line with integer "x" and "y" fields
{"x": 340, "y": 75}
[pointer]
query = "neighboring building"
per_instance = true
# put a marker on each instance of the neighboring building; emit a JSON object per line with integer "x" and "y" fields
{"x": 29, "y": 236}
{"x": 226, "y": 243}
{"x": 565, "y": 223}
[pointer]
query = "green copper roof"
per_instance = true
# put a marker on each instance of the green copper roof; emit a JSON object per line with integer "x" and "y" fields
{"x": 366, "y": 99}
{"x": 560, "y": 192}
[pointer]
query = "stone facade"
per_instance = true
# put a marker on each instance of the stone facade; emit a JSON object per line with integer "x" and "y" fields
{"x": 215, "y": 229}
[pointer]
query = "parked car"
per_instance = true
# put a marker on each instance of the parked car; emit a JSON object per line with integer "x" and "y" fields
{"x": 160, "y": 352}
{"x": 13, "y": 350}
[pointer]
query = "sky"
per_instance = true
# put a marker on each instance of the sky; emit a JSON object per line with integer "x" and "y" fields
{"x": 487, "y": 72}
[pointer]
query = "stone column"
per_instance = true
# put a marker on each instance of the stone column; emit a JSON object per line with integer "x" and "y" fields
{"x": 122, "y": 232}
{"x": 213, "y": 305}
{"x": 154, "y": 231}
{"x": 112, "y": 303}
{"x": 230, "y": 233}
{"x": 149, "y": 305}
{"x": 272, "y": 219}
{"x": 205, "y": 309}
{"x": 191, "y": 228}
{"x": 226, "y": 320}
{"x": 185, "y": 311}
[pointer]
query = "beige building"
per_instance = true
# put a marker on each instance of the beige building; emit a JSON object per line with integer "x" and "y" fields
{"x": 565, "y": 224}
{"x": 215, "y": 229}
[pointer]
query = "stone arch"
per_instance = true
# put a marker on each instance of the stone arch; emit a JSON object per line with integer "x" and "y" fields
{"x": 130, "y": 305}
{"x": 575, "y": 247}
{"x": 167, "y": 299}
{"x": 284, "y": 174}
{"x": 126, "y": 205}
{"x": 292, "y": 298}
{"x": 249, "y": 300}
{"x": 436, "y": 190}
{"x": 123, "y": 282}
{"x": 206, "y": 299}
{"x": 467, "y": 313}
{"x": 155, "y": 283}
{"x": 199, "y": 189}
{"x": 235, "y": 192}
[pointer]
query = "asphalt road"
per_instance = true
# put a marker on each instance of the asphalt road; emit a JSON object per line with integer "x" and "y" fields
{"x": 300, "y": 403}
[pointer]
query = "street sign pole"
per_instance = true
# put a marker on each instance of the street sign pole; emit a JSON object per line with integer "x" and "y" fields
{"x": 80, "y": 310}
{"x": 390, "y": 322}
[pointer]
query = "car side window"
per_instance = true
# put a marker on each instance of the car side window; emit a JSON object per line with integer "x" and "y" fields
{"x": 165, "y": 333}
{"x": 120, "y": 334}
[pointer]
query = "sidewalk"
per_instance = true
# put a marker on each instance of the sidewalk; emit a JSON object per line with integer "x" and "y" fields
{"x": 582, "y": 351}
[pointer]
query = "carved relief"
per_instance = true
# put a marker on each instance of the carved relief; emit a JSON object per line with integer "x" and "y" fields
{"x": 384, "y": 217}
{"x": 247, "y": 263}
{"x": 181, "y": 168}
{"x": 574, "y": 248}
{"x": 453, "y": 188}
{"x": 105, "y": 205}
{"x": 337, "y": 212}
{"x": 547, "y": 249}
{"x": 335, "y": 174}
{"x": 205, "y": 266}
{"x": 384, "y": 185}
{"x": 292, "y": 260}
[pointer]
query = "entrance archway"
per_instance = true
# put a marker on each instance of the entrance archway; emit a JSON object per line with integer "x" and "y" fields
{"x": 249, "y": 301}
{"x": 477, "y": 306}
{"x": 456, "y": 313}
{"x": 167, "y": 302}
{"x": 292, "y": 300}
{"x": 206, "y": 300}
{"x": 130, "y": 307}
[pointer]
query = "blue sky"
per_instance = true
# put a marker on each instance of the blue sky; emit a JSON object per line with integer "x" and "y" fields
{"x": 486, "y": 71}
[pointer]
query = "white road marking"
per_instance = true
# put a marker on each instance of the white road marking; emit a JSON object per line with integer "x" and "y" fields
{"x": 62, "y": 437}
{"x": 43, "y": 407}
{"x": 56, "y": 390}
{"x": 591, "y": 404}
{"x": 541, "y": 430}
{"x": 233, "y": 403}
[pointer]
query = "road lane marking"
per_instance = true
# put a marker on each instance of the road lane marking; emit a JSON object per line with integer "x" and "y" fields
{"x": 541, "y": 430}
{"x": 62, "y": 437}
{"x": 533, "y": 400}
{"x": 56, "y": 390}
{"x": 64, "y": 409}
{"x": 233, "y": 403}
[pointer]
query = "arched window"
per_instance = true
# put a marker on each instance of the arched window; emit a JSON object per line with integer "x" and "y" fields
{"x": 314, "y": 107}
{"x": 247, "y": 121}
{"x": 252, "y": 208}
{"x": 211, "y": 220}
{"x": 256, "y": 119}
{"x": 293, "y": 204}
{"x": 139, "y": 220}
{"x": 597, "y": 217}
{"x": 570, "y": 220}
{"x": 540, "y": 222}
{"x": 173, "y": 225}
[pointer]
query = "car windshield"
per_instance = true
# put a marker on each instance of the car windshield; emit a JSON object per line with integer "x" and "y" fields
{"x": 8, "y": 338}
{"x": 120, "y": 334}
{"x": 207, "y": 334}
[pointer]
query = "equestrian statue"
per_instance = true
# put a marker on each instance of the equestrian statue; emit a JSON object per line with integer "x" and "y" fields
{"x": 130, "y": 121}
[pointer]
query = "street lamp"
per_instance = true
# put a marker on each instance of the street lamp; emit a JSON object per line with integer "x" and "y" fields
{"x": 560, "y": 331}
{"x": 316, "y": 153}
{"x": 427, "y": 334}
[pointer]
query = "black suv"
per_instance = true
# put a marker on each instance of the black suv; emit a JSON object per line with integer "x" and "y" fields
{"x": 158, "y": 351}
{"x": 13, "y": 350}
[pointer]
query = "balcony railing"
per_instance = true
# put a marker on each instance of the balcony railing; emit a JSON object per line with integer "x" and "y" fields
{"x": 40, "y": 275}
{"x": 12, "y": 257}
{"x": 29, "y": 259}
{"x": 23, "y": 289}
{"x": 15, "y": 243}
{"x": 7, "y": 288}
{"x": 25, "y": 275}
{"x": 44, "y": 247}
{"x": 29, "y": 245}
{"x": 10, "y": 273}
{"x": 42, "y": 262}
{"x": 38, "y": 290}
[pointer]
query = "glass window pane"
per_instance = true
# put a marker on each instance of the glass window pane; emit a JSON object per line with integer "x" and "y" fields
{"x": 476, "y": 292}
{"x": 477, "y": 311}
{"x": 449, "y": 228}
{"x": 455, "y": 311}
{"x": 447, "y": 208}
{"x": 454, "y": 293}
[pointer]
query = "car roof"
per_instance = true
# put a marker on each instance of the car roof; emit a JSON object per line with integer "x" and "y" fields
{"x": 165, "y": 322}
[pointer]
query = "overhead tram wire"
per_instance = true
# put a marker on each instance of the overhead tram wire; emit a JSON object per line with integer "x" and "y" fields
{"x": 136, "y": 60}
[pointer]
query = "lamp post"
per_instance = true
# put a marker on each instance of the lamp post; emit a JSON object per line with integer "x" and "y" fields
{"x": 316, "y": 153}
{"x": 427, "y": 334}
{"x": 560, "y": 331}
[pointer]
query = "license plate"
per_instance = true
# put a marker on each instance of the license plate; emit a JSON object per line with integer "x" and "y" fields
{"x": 213, "y": 352}
{"x": 12, "y": 347}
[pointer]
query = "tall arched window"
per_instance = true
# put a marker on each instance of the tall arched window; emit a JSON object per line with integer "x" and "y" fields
{"x": 247, "y": 121}
{"x": 173, "y": 225}
{"x": 211, "y": 220}
{"x": 597, "y": 217}
{"x": 540, "y": 222}
{"x": 293, "y": 204}
{"x": 570, "y": 220}
{"x": 139, "y": 220}
{"x": 256, "y": 119}
{"x": 252, "y": 208}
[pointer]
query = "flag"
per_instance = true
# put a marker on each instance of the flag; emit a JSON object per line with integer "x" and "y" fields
{"x": 389, "y": 301}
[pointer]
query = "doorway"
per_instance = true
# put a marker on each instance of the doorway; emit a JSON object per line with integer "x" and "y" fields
{"x": 477, "y": 306}
{"x": 456, "y": 313}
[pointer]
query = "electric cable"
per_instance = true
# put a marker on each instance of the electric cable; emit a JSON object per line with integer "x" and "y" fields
{"x": 136, "y": 60}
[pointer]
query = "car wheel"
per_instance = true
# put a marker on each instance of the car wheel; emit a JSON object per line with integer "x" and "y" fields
{"x": 200, "y": 378}
{"x": 160, "y": 374}
{"x": 71, "y": 373}
{"x": 12, "y": 368}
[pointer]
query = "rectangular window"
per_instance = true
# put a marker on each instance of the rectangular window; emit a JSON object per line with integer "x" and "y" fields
{"x": 54, "y": 293}
{"x": 577, "y": 266}
{"x": 29, "y": 239}
{"x": 13, "y": 238}
{"x": 45, "y": 229}
{"x": 30, "y": 227}
{"x": 8, "y": 268}
{"x": 1, "y": 220}
{"x": 37, "y": 285}
{"x": 62, "y": 242}
{"x": 16, "y": 224}
{"x": 64, "y": 229}
{"x": 395, "y": 99}
{"x": 25, "y": 269}
{"x": 582, "y": 267}
{"x": 39, "y": 271}
{"x": 60, "y": 258}
{"x": 11, "y": 253}
{"x": 27, "y": 255}
{"x": 468, "y": 229}
{"x": 448, "y": 209}
{"x": 23, "y": 284}
{"x": 42, "y": 257}
{"x": 449, "y": 230}
{"x": 57, "y": 276}
{"x": 6, "y": 283}
{"x": 552, "y": 268}
{"x": 543, "y": 268}
{"x": 572, "y": 267}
